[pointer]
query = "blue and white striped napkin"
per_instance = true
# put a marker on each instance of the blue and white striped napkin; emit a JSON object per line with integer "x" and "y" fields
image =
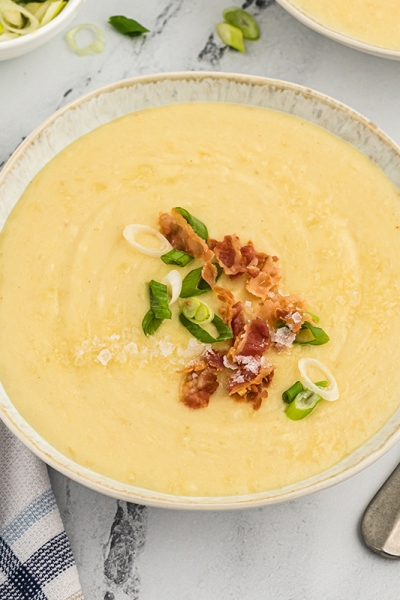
{"x": 36, "y": 561}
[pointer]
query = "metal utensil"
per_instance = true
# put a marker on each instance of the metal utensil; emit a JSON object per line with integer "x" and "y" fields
{"x": 380, "y": 525}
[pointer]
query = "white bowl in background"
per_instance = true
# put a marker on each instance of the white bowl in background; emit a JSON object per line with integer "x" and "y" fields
{"x": 335, "y": 35}
{"x": 110, "y": 102}
{"x": 30, "y": 41}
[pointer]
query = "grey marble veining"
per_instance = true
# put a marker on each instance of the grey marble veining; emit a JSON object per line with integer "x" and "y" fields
{"x": 308, "y": 549}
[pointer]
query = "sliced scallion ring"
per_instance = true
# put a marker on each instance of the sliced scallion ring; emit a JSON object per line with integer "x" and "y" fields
{"x": 292, "y": 392}
{"x": 131, "y": 231}
{"x": 197, "y": 312}
{"x": 96, "y": 47}
{"x": 302, "y": 405}
{"x": 331, "y": 392}
{"x": 173, "y": 281}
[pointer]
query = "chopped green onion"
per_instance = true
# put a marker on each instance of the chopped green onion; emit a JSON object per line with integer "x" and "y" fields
{"x": 173, "y": 281}
{"x": 190, "y": 308}
{"x": 127, "y": 26}
{"x": 194, "y": 285}
{"x": 197, "y": 312}
{"x": 302, "y": 405}
{"x": 314, "y": 336}
{"x": 292, "y": 392}
{"x": 231, "y": 36}
{"x": 159, "y": 309}
{"x": 96, "y": 47}
{"x": 202, "y": 335}
{"x": 244, "y": 21}
{"x": 159, "y": 300}
{"x": 198, "y": 227}
{"x": 322, "y": 384}
{"x": 150, "y": 323}
{"x": 329, "y": 392}
{"x": 177, "y": 257}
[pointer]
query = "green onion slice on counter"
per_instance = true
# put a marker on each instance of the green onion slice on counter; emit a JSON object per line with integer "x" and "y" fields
{"x": 194, "y": 285}
{"x": 198, "y": 227}
{"x": 242, "y": 20}
{"x": 231, "y": 36}
{"x": 202, "y": 335}
{"x": 159, "y": 308}
{"x": 177, "y": 257}
{"x": 309, "y": 334}
{"x": 127, "y": 26}
{"x": 96, "y": 47}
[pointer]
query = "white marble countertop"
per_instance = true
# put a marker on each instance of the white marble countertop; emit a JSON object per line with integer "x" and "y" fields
{"x": 307, "y": 549}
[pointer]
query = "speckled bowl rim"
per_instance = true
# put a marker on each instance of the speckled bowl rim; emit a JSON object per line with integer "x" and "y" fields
{"x": 335, "y": 35}
{"x": 372, "y": 450}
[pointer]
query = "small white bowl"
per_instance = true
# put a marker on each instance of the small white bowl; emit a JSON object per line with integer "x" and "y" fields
{"x": 30, "y": 41}
{"x": 338, "y": 37}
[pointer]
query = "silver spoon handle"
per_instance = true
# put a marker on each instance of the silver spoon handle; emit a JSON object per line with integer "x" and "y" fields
{"x": 380, "y": 525}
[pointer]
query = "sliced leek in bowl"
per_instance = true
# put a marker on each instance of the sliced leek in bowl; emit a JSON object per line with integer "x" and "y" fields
{"x": 18, "y": 19}
{"x": 27, "y": 25}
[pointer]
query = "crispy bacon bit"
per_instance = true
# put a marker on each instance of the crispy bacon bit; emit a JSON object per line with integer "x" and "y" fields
{"x": 232, "y": 313}
{"x": 289, "y": 309}
{"x": 198, "y": 385}
{"x": 267, "y": 279}
{"x": 228, "y": 254}
{"x": 236, "y": 259}
{"x": 247, "y": 386}
{"x": 209, "y": 274}
{"x": 237, "y": 321}
{"x": 182, "y": 237}
{"x": 201, "y": 379}
{"x": 252, "y": 259}
{"x": 214, "y": 359}
{"x": 251, "y": 377}
{"x": 253, "y": 341}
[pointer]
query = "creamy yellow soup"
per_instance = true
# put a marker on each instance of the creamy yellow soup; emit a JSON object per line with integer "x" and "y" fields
{"x": 72, "y": 288}
{"x": 375, "y": 22}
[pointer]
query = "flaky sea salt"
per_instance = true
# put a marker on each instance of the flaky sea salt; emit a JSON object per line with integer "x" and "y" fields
{"x": 252, "y": 363}
{"x": 282, "y": 337}
{"x": 237, "y": 378}
{"x": 114, "y": 337}
{"x": 296, "y": 317}
{"x": 131, "y": 348}
{"x": 166, "y": 347}
{"x": 229, "y": 364}
{"x": 104, "y": 357}
{"x": 194, "y": 348}
{"x": 265, "y": 362}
